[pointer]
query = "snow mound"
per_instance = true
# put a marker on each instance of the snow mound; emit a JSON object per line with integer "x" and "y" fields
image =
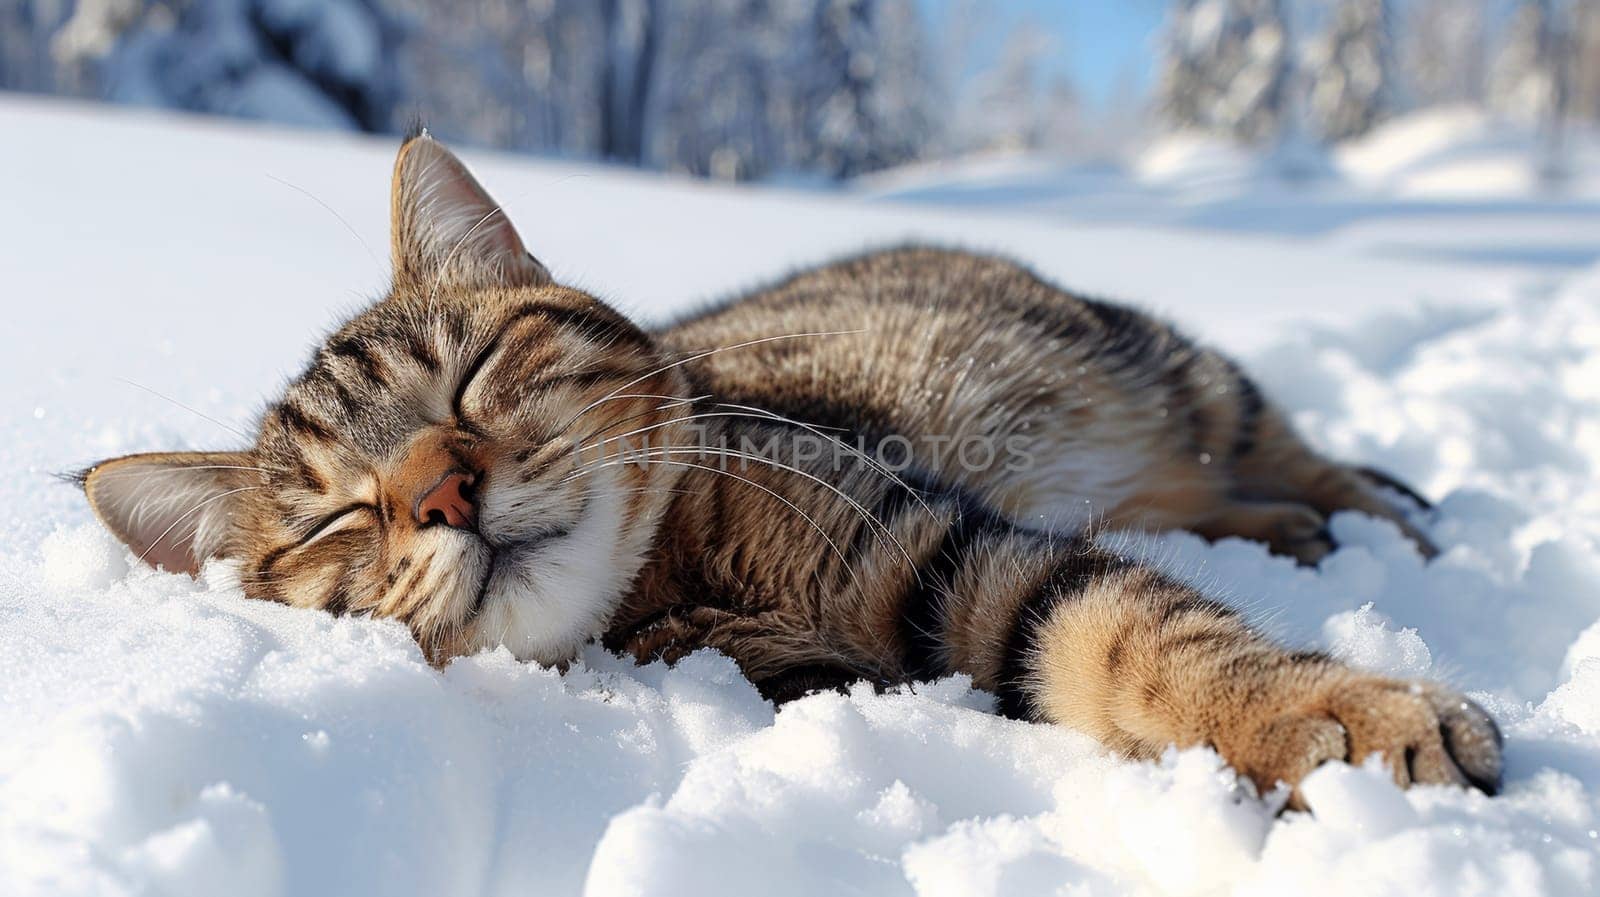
{"x": 1455, "y": 153}
{"x": 1196, "y": 160}
{"x": 1413, "y": 140}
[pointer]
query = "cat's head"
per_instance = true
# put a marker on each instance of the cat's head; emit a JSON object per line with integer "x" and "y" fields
{"x": 423, "y": 467}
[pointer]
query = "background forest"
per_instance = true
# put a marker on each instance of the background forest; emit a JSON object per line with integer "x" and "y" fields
{"x": 812, "y": 89}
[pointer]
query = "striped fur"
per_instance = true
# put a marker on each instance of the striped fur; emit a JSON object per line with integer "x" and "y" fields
{"x": 728, "y": 490}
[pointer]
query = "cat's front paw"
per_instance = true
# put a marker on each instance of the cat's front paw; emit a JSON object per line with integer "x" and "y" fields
{"x": 1425, "y": 734}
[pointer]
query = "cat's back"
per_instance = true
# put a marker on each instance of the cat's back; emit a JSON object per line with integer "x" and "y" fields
{"x": 917, "y": 286}
{"x": 941, "y": 349}
{"x": 873, "y": 342}
{"x": 888, "y": 338}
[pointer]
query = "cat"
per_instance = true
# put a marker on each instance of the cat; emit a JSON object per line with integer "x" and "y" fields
{"x": 890, "y": 468}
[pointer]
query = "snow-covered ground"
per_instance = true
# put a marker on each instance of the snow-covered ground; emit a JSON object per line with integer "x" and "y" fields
{"x": 162, "y": 735}
{"x": 1449, "y": 185}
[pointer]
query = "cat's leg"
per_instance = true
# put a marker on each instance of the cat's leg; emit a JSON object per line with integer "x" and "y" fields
{"x": 1141, "y": 662}
{"x": 773, "y": 649}
{"x": 1288, "y": 528}
{"x": 1280, "y": 467}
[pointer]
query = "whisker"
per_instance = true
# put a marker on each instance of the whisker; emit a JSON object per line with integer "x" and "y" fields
{"x": 683, "y": 361}
{"x": 438, "y": 276}
{"x": 792, "y": 506}
{"x": 331, "y": 211}
{"x": 675, "y": 401}
{"x": 752, "y": 413}
{"x": 259, "y": 578}
{"x": 656, "y": 426}
{"x": 866, "y": 515}
{"x": 666, "y": 423}
{"x": 187, "y": 514}
{"x": 229, "y": 427}
{"x": 858, "y": 453}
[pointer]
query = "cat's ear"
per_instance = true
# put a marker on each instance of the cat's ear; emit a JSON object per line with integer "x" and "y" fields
{"x": 173, "y": 509}
{"x": 446, "y": 230}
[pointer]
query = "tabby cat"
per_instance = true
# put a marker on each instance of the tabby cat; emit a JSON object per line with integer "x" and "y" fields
{"x": 886, "y": 469}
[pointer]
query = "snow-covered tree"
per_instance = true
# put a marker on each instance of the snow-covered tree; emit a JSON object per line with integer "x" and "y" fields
{"x": 866, "y": 97}
{"x": 1351, "y": 71}
{"x": 1008, "y": 101}
{"x": 27, "y": 30}
{"x": 570, "y": 77}
{"x": 1122, "y": 123}
{"x": 1253, "y": 70}
{"x": 1444, "y": 52}
{"x": 1185, "y": 89}
{"x": 632, "y": 29}
{"x": 717, "y": 106}
{"x": 1585, "y": 58}
{"x": 508, "y": 73}
{"x": 1529, "y": 80}
{"x": 1062, "y": 127}
{"x": 730, "y": 88}
{"x": 1018, "y": 98}
{"x": 326, "y": 64}
{"x": 1226, "y": 68}
{"x": 834, "y": 87}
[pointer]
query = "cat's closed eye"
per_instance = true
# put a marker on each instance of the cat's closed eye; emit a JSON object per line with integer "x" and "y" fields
{"x": 337, "y": 521}
{"x": 469, "y": 377}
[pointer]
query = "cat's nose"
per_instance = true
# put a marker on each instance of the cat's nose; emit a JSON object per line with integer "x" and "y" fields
{"x": 452, "y": 502}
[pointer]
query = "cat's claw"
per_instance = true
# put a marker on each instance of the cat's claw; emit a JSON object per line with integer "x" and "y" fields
{"x": 1424, "y": 733}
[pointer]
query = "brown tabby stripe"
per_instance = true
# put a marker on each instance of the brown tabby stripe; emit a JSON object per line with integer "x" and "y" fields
{"x": 922, "y": 619}
{"x": 323, "y": 374}
{"x": 393, "y": 576}
{"x": 1183, "y": 403}
{"x": 298, "y": 421}
{"x": 1068, "y": 328}
{"x": 338, "y": 600}
{"x": 894, "y": 501}
{"x": 848, "y": 422}
{"x": 1251, "y": 404}
{"x": 595, "y": 322}
{"x": 403, "y": 605}
{"x": 1130, "y": 339}
{"x": 356, "y": 349}
{"x": 271, "y": 558}
{"x": 1309, "y": 656}
{"x": 420, "y": 351}
{"x": 309, "y": 478}
{"x": 1191, "y": 605}
{"x": 1072, "y": 574}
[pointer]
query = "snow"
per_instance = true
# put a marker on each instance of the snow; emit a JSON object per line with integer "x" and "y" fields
{"x": 1460, "y": 152}
{"x": 1192, "y": 159}
{"x": 163, "y": 735}
{"x": 1446, "y": 184}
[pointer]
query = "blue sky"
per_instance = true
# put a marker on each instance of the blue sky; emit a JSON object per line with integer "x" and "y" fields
{"x": 1098, "y": 42}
